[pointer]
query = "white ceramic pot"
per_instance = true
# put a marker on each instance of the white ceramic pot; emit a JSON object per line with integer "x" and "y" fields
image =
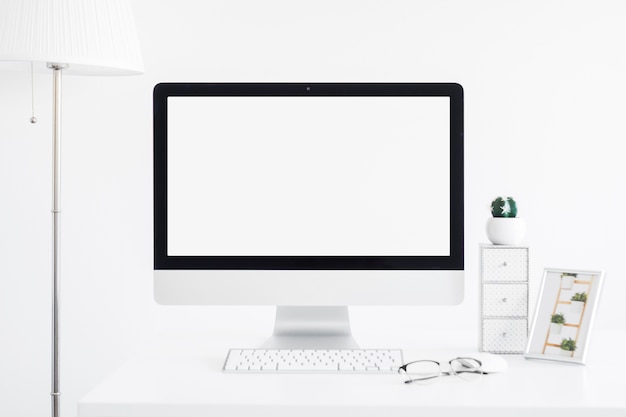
{"x": 567, "y": 282}
{"x": 566, "y": 353}
{"x": 506, "y": 230}
{"x": 577, "y": 306}
{"x": 555, "y": 328}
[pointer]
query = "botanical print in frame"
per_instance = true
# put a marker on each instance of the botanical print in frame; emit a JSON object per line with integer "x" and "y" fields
{"x": 564, "y": 315}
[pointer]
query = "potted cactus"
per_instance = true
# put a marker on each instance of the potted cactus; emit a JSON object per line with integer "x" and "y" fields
{"x": 556, "y": 323}
{"x": 578, "y": 301}
{"x": 568, "y": 346}
{"x": 567, "y": 280}
{"x": 504, "y": 227}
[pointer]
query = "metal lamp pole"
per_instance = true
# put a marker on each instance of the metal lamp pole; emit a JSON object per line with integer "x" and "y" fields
{"x": 57, "y": 70}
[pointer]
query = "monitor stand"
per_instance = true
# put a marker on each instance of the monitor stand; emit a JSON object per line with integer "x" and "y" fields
{"x": 301, "y": 327}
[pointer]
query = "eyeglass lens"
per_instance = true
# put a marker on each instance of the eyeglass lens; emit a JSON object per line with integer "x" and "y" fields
{"x": 466, "y": 368}
{"x": 422, "y": 370}
{"x": 464, "y": 365}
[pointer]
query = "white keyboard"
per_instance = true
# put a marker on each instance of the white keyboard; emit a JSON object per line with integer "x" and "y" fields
{"x": 314, "y": 360}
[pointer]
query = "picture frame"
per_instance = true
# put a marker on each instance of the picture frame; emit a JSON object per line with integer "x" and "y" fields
{"x": 564, "y": 315}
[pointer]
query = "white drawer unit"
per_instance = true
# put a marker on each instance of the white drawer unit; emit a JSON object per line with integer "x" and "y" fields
{"x": 503, "y": 298}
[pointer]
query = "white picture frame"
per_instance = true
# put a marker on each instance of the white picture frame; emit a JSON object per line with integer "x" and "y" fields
{"x": 564, "y": 315}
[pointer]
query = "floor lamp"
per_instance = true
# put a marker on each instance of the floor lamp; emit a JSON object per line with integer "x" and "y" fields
{"x": 83, "y": 37}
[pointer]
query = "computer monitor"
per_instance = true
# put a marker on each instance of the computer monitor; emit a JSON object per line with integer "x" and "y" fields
{"x": 308, "y": 196}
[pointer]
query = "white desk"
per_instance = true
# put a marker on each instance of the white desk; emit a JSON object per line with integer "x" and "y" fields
{"x": 183, "y": 378}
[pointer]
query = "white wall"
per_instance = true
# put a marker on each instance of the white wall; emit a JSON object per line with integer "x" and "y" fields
{"x": 544, "y": 83}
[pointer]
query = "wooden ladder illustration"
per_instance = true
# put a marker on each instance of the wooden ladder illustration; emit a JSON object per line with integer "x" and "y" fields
{"x": 559, "y": 302}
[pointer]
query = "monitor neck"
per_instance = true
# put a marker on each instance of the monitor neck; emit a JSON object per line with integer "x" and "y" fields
{"x": 300, "y": 327}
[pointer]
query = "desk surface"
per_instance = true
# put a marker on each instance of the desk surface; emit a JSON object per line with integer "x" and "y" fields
{"x": 182, "y": 377}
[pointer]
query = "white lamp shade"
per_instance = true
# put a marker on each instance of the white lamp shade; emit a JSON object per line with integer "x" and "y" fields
{"x": 94, "y": 37}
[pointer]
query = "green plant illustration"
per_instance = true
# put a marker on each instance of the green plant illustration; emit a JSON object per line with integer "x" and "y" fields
{"x": 504, "y": 207}
{"x": 568, "y": 344}
{"x": 580, "y": 296}
{"x": 558, "y": 318}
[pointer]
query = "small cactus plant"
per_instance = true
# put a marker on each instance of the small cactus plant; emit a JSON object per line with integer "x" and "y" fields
{"x": 568, "y": 345}
{"x": 504, "y": 207}
{"x": 558, "y": 318}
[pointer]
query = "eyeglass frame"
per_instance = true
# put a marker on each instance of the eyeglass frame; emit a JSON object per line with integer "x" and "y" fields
{"x": 461, "y": 359}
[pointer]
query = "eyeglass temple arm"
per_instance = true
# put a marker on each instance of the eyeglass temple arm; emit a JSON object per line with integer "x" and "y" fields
{"x": 426, "y": 378}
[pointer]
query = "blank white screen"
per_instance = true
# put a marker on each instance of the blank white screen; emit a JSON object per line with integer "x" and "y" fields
{"x": 308, "y": 176}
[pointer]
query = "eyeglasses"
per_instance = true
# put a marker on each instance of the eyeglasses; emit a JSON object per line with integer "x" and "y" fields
{"x": 424, "y": 370}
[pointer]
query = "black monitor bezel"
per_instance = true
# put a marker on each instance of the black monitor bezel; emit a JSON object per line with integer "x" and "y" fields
{"x": 455, "y": 261}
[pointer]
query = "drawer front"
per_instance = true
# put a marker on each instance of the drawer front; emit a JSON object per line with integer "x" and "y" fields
{"x": 505, "y": 300}
{"x": 504, "y": 335}
{"x": 504, "y": 264}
